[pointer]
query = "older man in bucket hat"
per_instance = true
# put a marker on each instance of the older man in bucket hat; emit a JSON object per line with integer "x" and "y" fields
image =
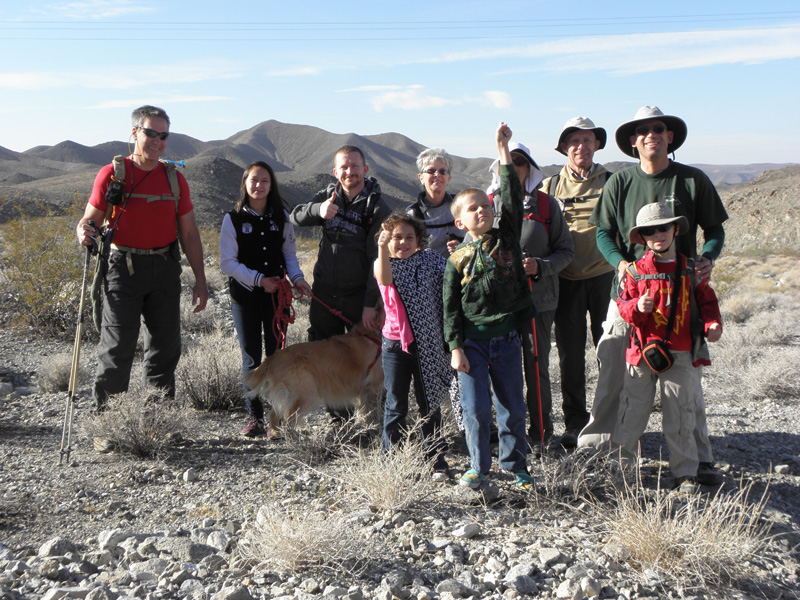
{"x": 651, "y": 137}
{"x": 584, "y": 283}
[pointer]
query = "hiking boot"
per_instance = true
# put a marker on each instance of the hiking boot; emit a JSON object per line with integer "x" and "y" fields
{"x": 523, "y": 480}
{"x": 253, "y": 428}
{"x": 104, "y": 445}
{"x": 440, "y": 475}
{"x": 472, "y": 479}
{"x": 569, "y": 440}
{"x": 708, "y": 474}
{"x": 686, "y": 486}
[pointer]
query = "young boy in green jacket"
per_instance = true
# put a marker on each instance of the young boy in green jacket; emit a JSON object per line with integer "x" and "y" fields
{"x": 486, "y": 299}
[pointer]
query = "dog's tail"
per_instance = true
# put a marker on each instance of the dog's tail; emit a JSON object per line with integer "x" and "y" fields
{"x": 258, "y": 380}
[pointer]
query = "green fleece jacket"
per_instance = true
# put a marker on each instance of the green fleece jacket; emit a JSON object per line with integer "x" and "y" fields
{"x": 486, "y": 293}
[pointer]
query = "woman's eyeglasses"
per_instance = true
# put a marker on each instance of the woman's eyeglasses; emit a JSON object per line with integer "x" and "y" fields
{"x": 432, "y": 172}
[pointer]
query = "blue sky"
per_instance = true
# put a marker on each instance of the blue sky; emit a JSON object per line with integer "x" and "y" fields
{"x": 443, "y": 73}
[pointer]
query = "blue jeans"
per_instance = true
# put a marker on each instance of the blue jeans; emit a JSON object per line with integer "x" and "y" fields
{"x": 253, "y": 324}
{"x": 398, "y": 370}
{"x": 498, "y": 359}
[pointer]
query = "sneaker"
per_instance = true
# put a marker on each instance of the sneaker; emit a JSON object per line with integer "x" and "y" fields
{"x": 523, "y": 480}
{"x": 253, "y": 428}
{"x": 440, "y": 475}
{"x": 104, "y": 445}
{"x": 708, "y": 474}
{"x": 570, "y": 439}
{"x": 472, "y": 479}
{"x": 686, "y": 485}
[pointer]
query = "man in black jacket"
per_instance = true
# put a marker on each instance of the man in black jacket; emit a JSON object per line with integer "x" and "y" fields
{"x": 350, "y": 214}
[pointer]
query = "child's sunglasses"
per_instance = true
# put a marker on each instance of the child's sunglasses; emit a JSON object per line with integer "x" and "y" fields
{"x": 645, "y": 231}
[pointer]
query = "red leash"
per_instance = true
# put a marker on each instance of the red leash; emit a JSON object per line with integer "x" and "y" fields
{"x": 284, "y": 311}
{"x": 333, "y": 311}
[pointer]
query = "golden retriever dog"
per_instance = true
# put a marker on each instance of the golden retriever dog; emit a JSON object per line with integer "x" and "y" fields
{"x": 342, "y": 372}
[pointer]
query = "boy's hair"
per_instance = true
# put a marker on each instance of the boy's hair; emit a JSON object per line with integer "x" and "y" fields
{"x": 430, "y": 156}
{"x": 399, "y": 217}
{"x": 461, "y": 197}
{"x": 140, "y": 114}
{"x": 348, "y": 150}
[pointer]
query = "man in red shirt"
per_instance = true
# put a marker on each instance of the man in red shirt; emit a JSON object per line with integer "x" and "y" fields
{"x": 143, "y": 279}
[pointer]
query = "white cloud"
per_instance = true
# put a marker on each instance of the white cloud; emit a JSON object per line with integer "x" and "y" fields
{"x": 379, "y": 88}
{"x": 159, "y": 74}
{"x": 497, "y": 99}
{"x": 410, "y": 98}
{"x": 158, "y": 101}
{"x": 295, "y": 72}
{"x": 97, "y": 9}
{"x": 30, "y": 81}
{"x": 642, "y": 53}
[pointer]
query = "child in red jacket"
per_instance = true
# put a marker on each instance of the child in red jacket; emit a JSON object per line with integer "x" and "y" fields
{"x": 649, "y": 301}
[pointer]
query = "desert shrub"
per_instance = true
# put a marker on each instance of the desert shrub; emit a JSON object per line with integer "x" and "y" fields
{"x": 209, "y": 372}
{"x": 291, "y": 537}
{"x": 43, "y": 267}
{"x": 774, "y": 376}
{"x": 217, "y": 314}
{"x": 575, "y": 477}
{"x": 55, "y": 377}
{"x": 388, "y": 482}
{"x": 142, "y": 421}
{"x": 695, "y": 542}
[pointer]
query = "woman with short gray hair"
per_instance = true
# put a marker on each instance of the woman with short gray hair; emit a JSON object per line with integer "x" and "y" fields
{"x": 433, "y": 203}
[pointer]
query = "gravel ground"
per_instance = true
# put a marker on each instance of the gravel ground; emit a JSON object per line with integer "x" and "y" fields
{"x": 112, "y": 526}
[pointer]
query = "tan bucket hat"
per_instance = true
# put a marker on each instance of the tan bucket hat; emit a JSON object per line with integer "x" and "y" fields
{"x": 649, "y": 113}
{"x": 581, "y": 123}
{"x": 651, "y": 215}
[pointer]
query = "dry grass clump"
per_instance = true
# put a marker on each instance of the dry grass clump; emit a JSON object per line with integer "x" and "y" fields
{"x": 576, "y": 477}
{"x": 388, "y": 482}
{"x": 690, "y": 542}
{"x": 290, "y": 536}
{"x": 312, "y": 444}
{"x": 142, "y": 421}
{"x": 209, "y": 373}
{"x": 55, "y": 377}
{"x": 774, "y": 376}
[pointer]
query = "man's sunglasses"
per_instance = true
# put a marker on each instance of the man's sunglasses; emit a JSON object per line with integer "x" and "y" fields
{"x": 647, "y": 231}
{"x": 519, "y": 161}
{"x": 658, "y": 129}
{"x": 152, "y": 133}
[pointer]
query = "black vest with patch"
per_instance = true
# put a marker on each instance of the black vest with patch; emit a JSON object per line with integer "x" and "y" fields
{"x": 260, "y": 242}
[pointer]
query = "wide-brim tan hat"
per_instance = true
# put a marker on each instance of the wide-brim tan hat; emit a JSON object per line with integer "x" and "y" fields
{"x": 651, "y": 215}
{"x": 584, "y": 124}
{"x": 650, "y": 113}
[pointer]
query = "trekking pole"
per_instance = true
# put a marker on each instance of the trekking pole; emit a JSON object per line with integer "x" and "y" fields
{"x": 536, "y": 362}
{"x": 69, "y": 409}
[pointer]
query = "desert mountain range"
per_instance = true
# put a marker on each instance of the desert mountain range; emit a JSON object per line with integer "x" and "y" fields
{"x": 302, "y": 156}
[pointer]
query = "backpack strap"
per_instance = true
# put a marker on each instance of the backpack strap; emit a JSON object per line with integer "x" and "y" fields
{"x": 543, "y": 207}
{"x": 551, "y": 189}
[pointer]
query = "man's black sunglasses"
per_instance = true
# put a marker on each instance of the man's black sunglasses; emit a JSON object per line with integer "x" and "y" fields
{"x": 152, "y": 133}
{"x": 646, "y": 231}
{"x": 658, "y": 129}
